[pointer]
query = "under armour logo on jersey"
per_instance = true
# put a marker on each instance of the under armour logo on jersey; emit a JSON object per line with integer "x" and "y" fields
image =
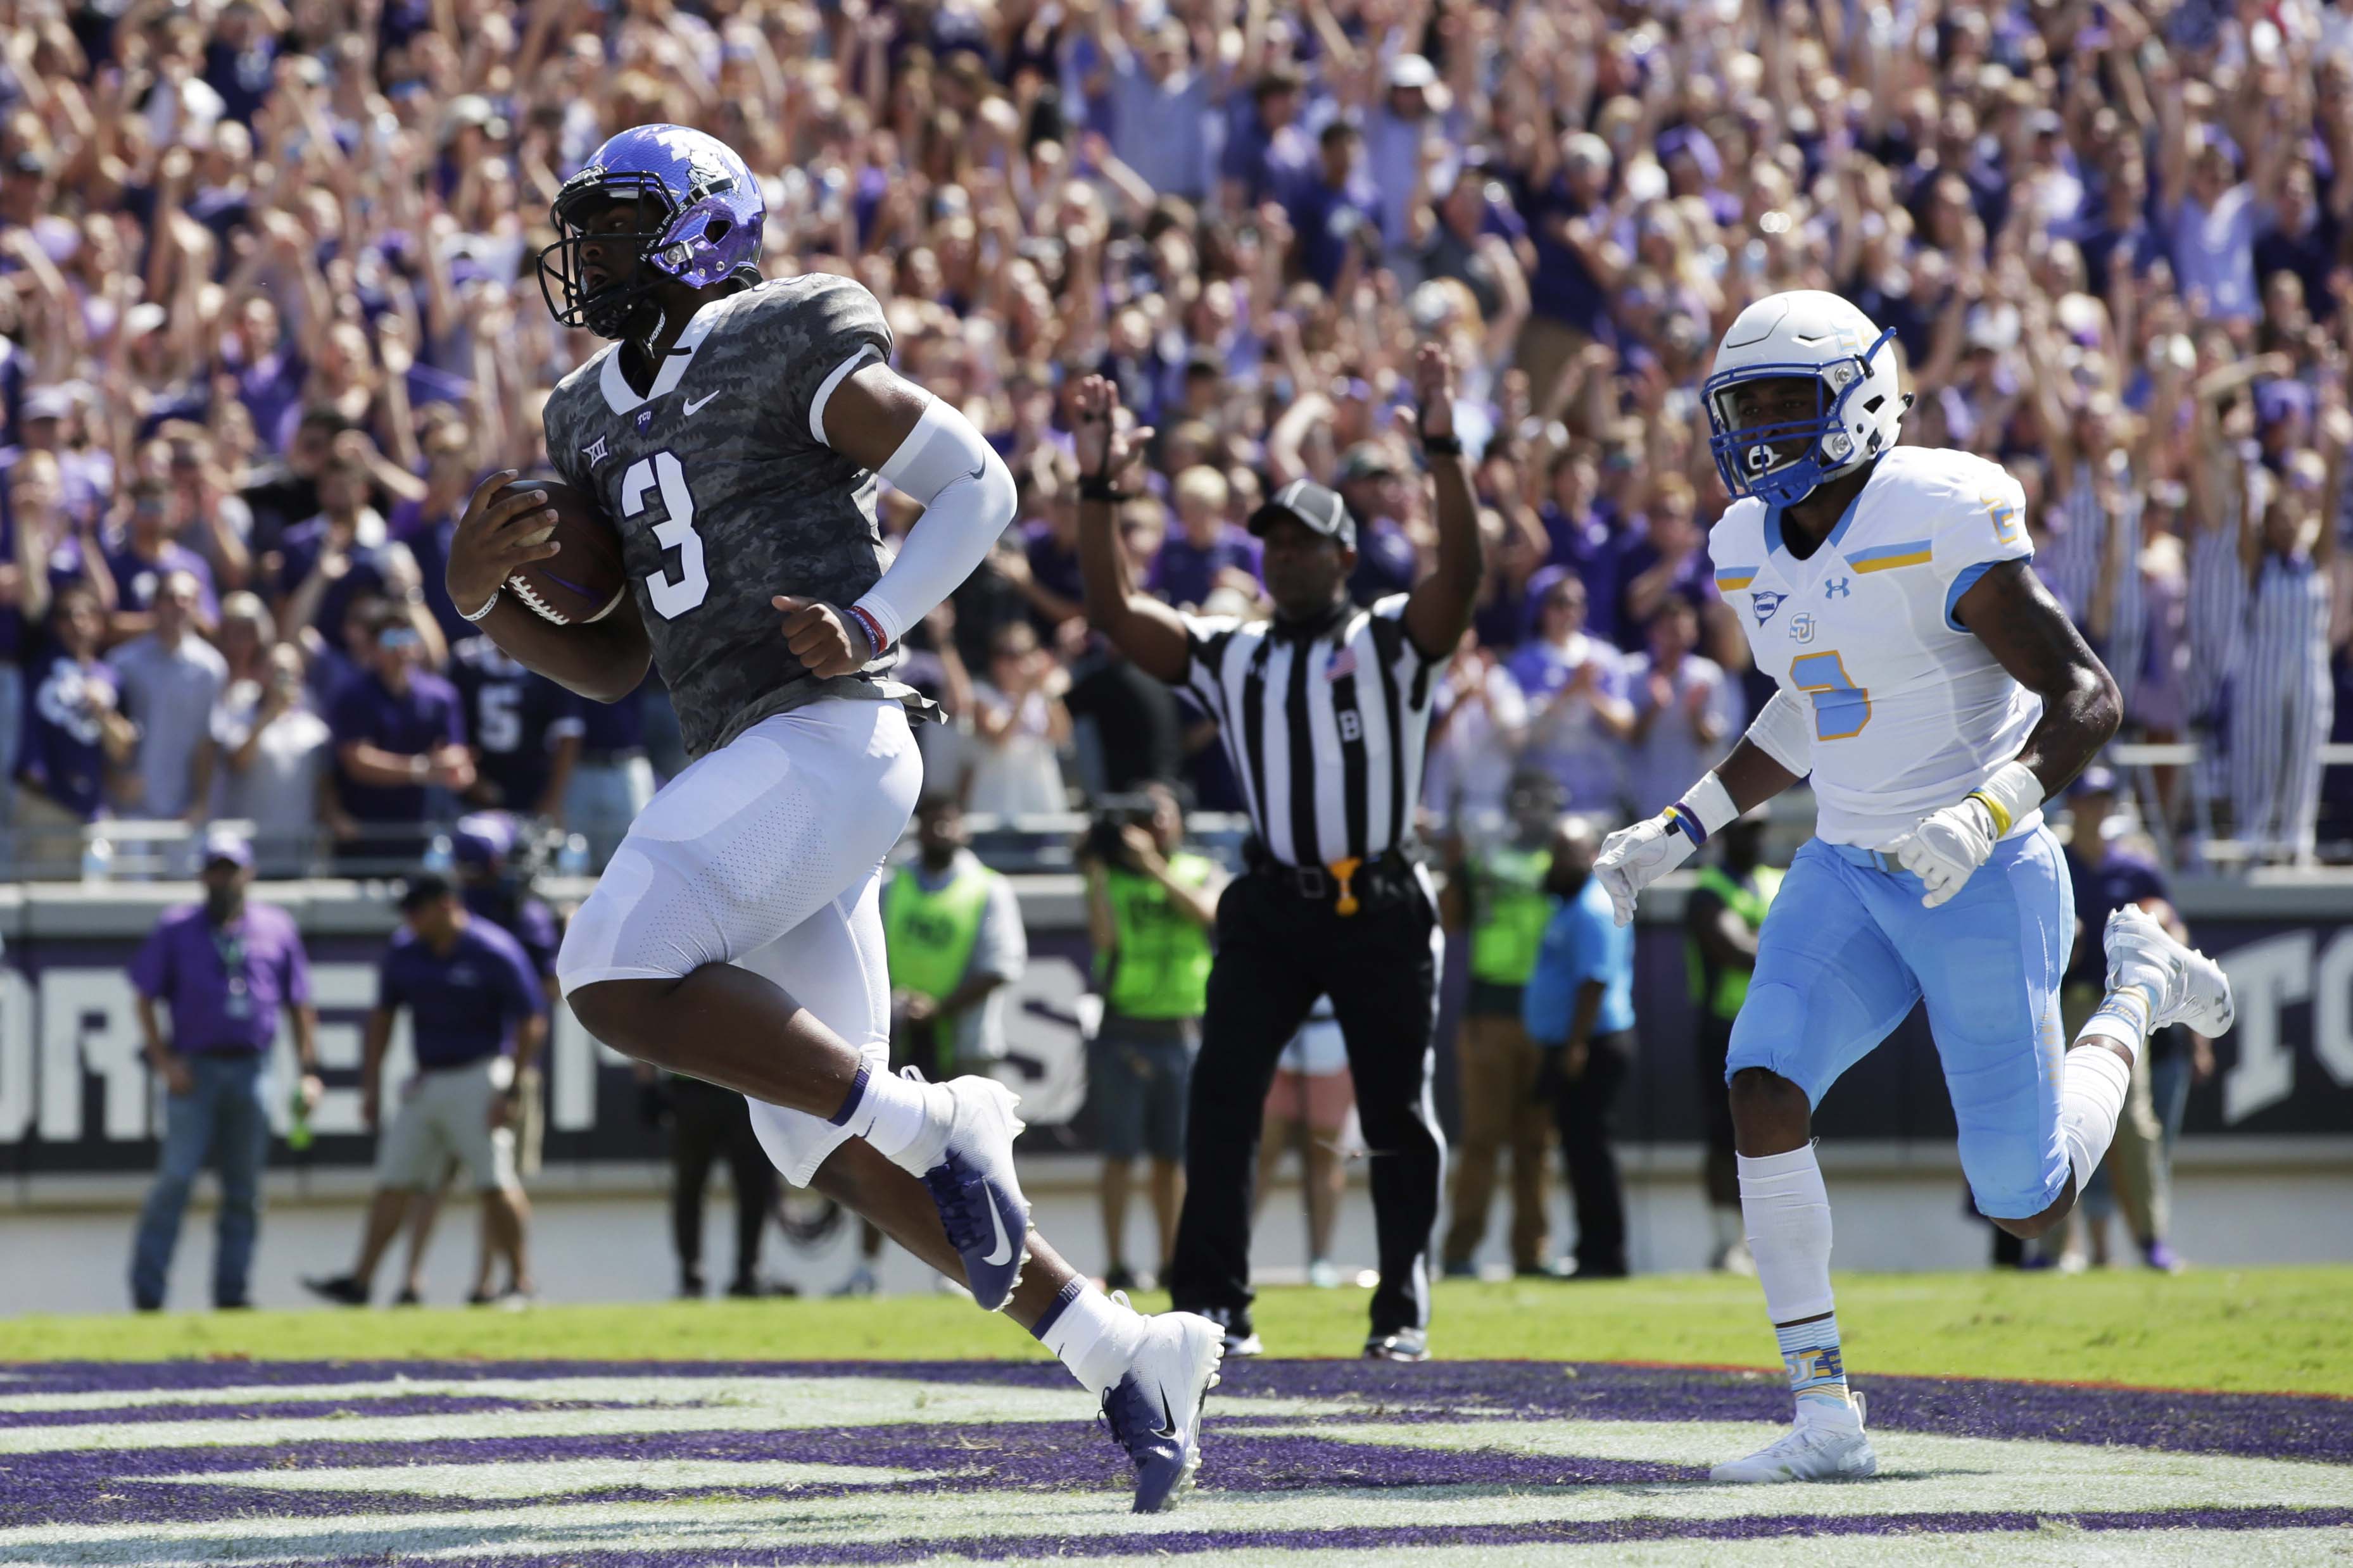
{"x": 1837, "y": 587}
{"x": 1801, "y": 628}
{"x": 1765, "y": 604}
{"x": 595, "y": 451}
{"x": 645, "y": 417}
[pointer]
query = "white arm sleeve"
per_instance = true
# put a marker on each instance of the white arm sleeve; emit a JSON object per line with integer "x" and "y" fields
{"x": 1784, "y": 730}
{"x": 967, "y": 496}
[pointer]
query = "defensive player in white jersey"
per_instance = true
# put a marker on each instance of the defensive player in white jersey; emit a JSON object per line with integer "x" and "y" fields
{"x": 1937, "y": 695}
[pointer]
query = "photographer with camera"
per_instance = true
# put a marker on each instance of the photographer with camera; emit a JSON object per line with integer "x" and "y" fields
{"x": 1151, "y": 905}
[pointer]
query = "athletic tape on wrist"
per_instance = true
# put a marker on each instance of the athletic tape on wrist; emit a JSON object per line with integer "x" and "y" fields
{"x": 1705, "y": 808}
{"x": 2009, "y": 796}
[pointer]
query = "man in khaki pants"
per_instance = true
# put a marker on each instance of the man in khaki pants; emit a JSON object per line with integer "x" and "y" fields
{"x": 478, "y": 1016}
{"x": 1496, "y": 892}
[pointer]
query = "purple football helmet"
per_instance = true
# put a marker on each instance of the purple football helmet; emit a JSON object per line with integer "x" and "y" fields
{"x": 700, "y": 218}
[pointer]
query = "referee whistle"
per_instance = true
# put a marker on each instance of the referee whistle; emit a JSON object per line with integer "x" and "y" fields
{"x": 1342, "y": 870}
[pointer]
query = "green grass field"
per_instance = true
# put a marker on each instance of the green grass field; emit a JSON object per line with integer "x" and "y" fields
{"x": 2258, "y": 1330}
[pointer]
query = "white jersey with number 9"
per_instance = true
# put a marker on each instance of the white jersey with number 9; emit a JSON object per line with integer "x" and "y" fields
{"x": 1911, "y": 711}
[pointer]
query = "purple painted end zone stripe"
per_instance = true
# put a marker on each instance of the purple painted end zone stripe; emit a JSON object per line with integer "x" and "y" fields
{"x": 1374, "y": 1538}
{"x": 2274, "y": 1426}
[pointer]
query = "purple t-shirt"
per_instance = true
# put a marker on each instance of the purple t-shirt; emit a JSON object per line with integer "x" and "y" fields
{"x": 409, "y": 723}
{"x": 136, "y": 578}
{"x": 224, "y": 985}
{"x": 1694, "y": 581}
{"x": 62, "y": 755}
{"x": 303, "y": 544}
{"x": 463, "y": 1004}
{"x": 1185, "y": 573}
{"x": 1596, "y": 553}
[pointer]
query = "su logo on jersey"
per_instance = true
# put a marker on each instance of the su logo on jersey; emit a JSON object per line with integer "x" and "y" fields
{"x": 1801, "y": 628}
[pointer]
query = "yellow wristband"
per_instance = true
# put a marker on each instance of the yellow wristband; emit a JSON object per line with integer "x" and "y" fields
{"x": 1999, "y": 813}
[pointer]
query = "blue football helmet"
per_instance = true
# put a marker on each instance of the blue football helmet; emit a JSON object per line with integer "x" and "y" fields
{"x": 1811, "y": 336}
{"x": 705, "y": 212}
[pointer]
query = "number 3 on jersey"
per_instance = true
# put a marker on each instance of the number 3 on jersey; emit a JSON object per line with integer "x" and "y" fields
{"x": 661, "y": 471}
{"x": 1840, "y": 706}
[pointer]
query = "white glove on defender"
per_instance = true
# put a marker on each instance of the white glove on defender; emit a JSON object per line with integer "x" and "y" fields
{"x": 1633, "y": 857}
{"x": 1949, "y": 844}
{"x": 1947, "y": 847}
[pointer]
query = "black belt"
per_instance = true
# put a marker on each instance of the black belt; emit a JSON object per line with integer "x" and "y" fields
{"x": 617, "y": 755}
{"x": 1385, "y": 878}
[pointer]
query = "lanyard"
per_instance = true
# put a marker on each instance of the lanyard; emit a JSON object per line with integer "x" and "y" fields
{"x": 230, "y": 946}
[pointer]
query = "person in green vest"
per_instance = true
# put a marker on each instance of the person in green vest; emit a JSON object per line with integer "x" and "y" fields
{"x": 1151, "y": 907}
{"x": 952, "y": 929}
{"x": 1496, "y": 894}
{"x": 1721, "y": 920}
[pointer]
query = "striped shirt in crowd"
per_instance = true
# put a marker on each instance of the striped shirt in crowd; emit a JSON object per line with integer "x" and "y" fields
{"x": 1326, "y": 732}
{"x": 2073, "y": 558}
{"x": 2216, "y": 617}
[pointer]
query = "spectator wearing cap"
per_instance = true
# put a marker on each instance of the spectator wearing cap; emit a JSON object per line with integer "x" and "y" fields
{"x": 74, "y": 735}
{"x": 272, "y": 757}
{"x": 494, "y": 889}
{"x": 1405, "y": 144}
{"x": 2109, "y": 872}
{"x": 1206, "y": 552}
{"x": 477, "y": 1014}
{"x": 1375, "y": 494}
{"x": 85, "y": 472}
{"x": 399, "y": 731}
{"x": 169, "y": 680}
{"x": 145, "y": 553}
{"x": 225, "y": 971}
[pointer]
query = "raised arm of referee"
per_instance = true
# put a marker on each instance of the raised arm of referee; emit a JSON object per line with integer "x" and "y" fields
{"x": 1323, "y": 710}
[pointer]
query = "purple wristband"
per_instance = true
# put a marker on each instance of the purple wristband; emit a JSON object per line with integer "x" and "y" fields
{"x": 872, "y": 628}
{"x": 1688, "y": 820}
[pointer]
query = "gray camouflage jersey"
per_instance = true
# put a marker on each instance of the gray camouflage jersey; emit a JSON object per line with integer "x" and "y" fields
{"x": 726, "y": 498}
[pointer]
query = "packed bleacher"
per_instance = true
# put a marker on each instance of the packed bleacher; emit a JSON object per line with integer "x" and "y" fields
{"x": 268, "y": 287}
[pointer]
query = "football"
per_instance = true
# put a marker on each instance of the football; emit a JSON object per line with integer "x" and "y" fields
{"x": 585, "y": 579}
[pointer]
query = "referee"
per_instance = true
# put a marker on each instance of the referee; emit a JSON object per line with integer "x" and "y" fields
{"x": 1323, "y": 711}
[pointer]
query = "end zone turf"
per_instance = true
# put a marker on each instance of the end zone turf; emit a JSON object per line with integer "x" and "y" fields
{"x": 660, "y": 1465}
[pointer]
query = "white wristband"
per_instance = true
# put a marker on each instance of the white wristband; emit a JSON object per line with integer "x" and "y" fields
{"x": 2010, "y": 796}
{"x": 1706, "y": 803}
{"x": 488, "y": 605}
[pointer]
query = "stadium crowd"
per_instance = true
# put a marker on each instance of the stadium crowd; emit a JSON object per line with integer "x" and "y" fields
{"x": 267, "y": 286}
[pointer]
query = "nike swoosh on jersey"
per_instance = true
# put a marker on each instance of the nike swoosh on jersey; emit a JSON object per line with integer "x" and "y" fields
{"x": 693, "y": 404}
{"x": 1004, "y": 1244}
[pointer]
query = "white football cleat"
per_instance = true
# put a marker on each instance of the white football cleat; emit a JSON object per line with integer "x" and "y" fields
{"x": 1825, "y": 1445}
{"x": 1155, "y": 1408}
{"x": 2185, "y": 985}
{"x": 971, "y": 1179}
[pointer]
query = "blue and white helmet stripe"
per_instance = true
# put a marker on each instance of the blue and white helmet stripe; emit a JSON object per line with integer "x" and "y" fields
{"x": 1810, "y": 335}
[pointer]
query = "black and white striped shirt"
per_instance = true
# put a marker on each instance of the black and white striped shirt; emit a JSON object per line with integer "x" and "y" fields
{"x": 1326, "y": 733}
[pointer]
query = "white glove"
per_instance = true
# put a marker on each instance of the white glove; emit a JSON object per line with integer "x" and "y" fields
{"x": 1947, "y": 847}
{"x": 1633, "y": 857}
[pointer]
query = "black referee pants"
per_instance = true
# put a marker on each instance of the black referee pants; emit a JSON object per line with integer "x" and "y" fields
{"x": 1277, "y": 954}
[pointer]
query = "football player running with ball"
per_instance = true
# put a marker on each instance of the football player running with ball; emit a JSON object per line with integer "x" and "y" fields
{"x": 1937, "y": 695}
{"x": 734, "y": 431}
